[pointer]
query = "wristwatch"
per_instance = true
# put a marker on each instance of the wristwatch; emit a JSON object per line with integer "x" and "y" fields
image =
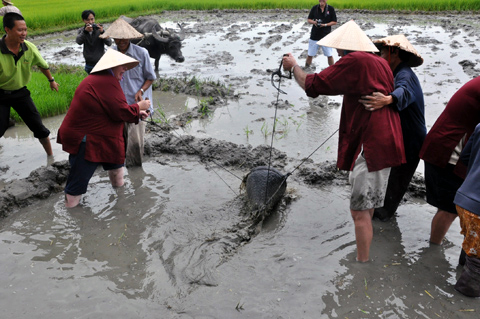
{"x": 53, "y": 79}
{"x": 141, "y": 90}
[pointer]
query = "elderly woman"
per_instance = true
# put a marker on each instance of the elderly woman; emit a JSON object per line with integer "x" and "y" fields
{"x": 92, "y": 131}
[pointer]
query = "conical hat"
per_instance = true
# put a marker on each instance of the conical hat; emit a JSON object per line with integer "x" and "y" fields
{"x": 113, "y": 58}
{"x": 120, "y": 29}
{"x": 8, "y": 2}
{"x": 348, "y": 37}
{"x": 401, "y": 42}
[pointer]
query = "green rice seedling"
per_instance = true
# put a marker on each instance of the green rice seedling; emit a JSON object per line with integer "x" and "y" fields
{"x": 163, "y": 117}
{"x": 48, "y": 102}
{"x": 247, "y": 131}
{"x": 265, "y": 130}
{"x": 204, "y": 109}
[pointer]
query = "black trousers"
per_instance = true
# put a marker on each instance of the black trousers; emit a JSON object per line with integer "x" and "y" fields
{"x": 22, "y": 103}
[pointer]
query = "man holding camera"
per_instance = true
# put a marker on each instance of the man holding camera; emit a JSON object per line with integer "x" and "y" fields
{"x": 89, "y": 36}
{"x": 322, "y": 17}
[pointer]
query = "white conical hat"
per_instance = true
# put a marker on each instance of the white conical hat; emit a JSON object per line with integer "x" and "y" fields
{"x": 348, "y": 37}
{"x": 401, "y": 42}
{"x": 113, "y": 58}
{"x": 121, "y": 29}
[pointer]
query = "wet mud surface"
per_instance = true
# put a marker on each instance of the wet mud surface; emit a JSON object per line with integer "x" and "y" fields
{"x": 179, "y": 241}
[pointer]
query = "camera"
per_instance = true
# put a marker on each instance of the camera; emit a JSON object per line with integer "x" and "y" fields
{"x": 94, "y": 26}
{"x": 319, "y": 23}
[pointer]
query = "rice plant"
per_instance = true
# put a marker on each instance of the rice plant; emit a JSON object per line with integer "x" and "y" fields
{"x": 54, "y": 15}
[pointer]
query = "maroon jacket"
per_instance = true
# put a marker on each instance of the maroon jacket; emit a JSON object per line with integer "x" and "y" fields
{"x": 98, "y": 110}
{"x": 380, "y": 131}
{"x": 460, "y": 117}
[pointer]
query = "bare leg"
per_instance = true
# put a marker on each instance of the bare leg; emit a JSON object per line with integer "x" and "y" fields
{"x": 116, "y": 177}
{"x": 330, "y": 60}
{"x": 440, "y": 224}
{"x": 308, "y": 61}
{"x": 72, "y": 200}
{"x": 363, "y": 232}
{"x": 46, "y": 145}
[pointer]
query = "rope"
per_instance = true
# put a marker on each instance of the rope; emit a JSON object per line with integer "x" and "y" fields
{"x": 203, "y": 157}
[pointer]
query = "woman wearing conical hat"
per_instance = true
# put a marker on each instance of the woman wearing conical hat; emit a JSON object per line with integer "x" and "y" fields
{"x": 92, "y": 130}
{"x": 370, "y": 143}
{"x": 407, "y": 98}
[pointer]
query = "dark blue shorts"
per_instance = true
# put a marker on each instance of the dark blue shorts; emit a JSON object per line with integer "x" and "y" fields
{"x": 441, "y": 185}
{"x": 81, "y": 171}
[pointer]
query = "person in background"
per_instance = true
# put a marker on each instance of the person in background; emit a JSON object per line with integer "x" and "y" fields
{"x": 136, "y": 84}
{"x": 467, "y": 200}
{"x": 92, "y": 130}
{"x": 89, "y": 36}
{"x": 322, "y": 16}
{"x": 17, "y": 57}
{"x": 370, "y": 143}
{"x": 407, "y": 98}
{"x": 8, "y": 7}
{"x": 440, "y": 151}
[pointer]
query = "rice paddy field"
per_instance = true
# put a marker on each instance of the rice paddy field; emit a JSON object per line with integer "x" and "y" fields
{"x": 56, "y": 15}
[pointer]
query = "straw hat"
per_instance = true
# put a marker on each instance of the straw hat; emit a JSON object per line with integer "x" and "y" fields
{"x": 348, "y": 37}
{"x": 120, "y": 29}
{"x": 113, "y": 58}
{"x": 401, "y": 42}
{"x": 8, "y": 2}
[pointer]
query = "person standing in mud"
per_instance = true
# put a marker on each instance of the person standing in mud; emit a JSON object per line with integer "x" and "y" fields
{"x": 17, "y": 58}
{"x": 8, "y": 7}
{"x": 92, "y": 130}
{"x": 444, "y": 173}
{"x": 322, "y": 16}
{"x": 467, "y": 200}
{"x": 89, "y": 37}
{"x": 407, "y": 98}
{"x": 370, "y": 143}
{"x": 136, "y": 84}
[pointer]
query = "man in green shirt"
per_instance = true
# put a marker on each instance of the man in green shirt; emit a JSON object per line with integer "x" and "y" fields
{"x": 17, "y": 56}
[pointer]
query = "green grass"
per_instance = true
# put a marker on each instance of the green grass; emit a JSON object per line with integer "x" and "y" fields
{"x": 48, "y": 102}
{"x": 55, "y": 15}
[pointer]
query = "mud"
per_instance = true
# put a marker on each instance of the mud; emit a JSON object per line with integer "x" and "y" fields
{"x": 178, "y": 241}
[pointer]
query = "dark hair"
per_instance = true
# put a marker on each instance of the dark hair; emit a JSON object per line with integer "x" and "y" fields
{"x": 10, "y": 18}
{"x": 403, "y": 55}
{"x": 86, "y": 13}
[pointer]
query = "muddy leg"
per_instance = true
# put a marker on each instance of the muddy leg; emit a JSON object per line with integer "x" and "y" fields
{"x": 440, "y": 224}
{"x": 330, "y": 60}
{"x": 308, "y": 61}
{"x": 46, "y": 145}
{"x": 363, "y": 232}
{"x": 116, "y": 177}
{"x": 72, "y": 200}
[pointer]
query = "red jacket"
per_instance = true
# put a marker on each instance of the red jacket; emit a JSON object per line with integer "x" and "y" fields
{"x": 98, "y": 110}
{"x": 380, "y": 131}
{"x": 460, "y": 117}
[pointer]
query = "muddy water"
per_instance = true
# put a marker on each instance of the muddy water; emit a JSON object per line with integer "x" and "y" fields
{"x": 173, "y": 243}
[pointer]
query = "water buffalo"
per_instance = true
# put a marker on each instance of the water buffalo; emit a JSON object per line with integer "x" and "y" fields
{"x": 157, "y": 40}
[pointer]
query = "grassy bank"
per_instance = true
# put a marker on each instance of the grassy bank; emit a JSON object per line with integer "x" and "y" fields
{"x": 48, "y": 102}
{"x": 55, "y": 15}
